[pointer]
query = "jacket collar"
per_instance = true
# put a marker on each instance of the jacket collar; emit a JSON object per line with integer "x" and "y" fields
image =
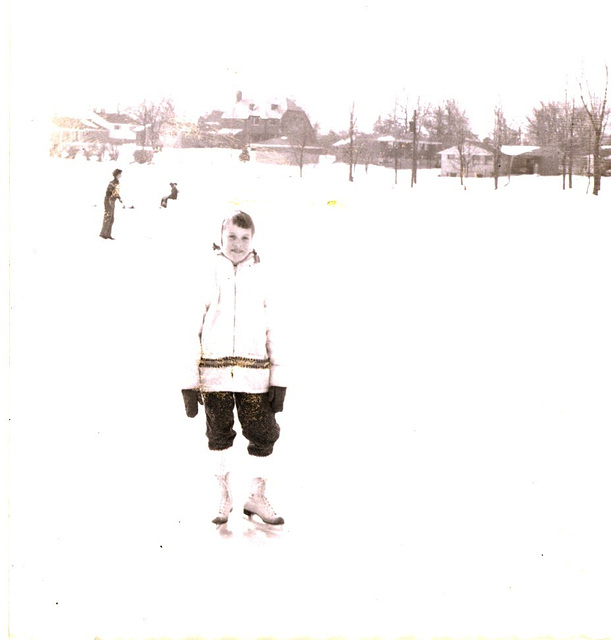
{"x": 252, "y": 256}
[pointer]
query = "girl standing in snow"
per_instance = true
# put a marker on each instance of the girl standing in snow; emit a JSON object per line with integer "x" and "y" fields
{"x": 238, "y": 363}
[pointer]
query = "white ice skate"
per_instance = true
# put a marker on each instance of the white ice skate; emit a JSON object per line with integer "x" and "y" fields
{"x": 257, "y": 504}
{"x": 226, "y": 502}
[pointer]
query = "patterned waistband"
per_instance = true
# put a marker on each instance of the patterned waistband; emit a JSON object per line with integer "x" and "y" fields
{"x": 235, "y": 361}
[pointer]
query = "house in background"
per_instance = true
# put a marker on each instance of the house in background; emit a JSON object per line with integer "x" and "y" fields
{"x": 529, "y": 160}
{"x": 478, "y": 160}
{"x": 248, "y": 121}
{"x": 584, "y": 162}
{"x": 92, "y": 134}
{"x": 399, "y": 151}
{"x": 69, "y": 131}
{"x": 365, "y": 150}
{"x": 121, "y": 128}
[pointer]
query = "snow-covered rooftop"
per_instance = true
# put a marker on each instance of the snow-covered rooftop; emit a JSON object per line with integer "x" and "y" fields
{"x": 74, "y": 123}
{"x": 517, "y": 149}
{"x": 267, "y": 109}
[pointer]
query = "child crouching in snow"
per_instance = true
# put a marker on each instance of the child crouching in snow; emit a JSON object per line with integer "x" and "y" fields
{"x": 238, "y": 363}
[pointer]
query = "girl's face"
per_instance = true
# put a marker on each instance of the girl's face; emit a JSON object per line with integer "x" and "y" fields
{"x": 236, "y": 242}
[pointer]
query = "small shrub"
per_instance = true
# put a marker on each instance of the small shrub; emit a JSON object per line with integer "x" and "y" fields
{"x": 143, "y": 155}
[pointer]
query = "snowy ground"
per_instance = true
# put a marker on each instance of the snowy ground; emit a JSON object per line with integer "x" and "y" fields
{"x": 443, "y": 466}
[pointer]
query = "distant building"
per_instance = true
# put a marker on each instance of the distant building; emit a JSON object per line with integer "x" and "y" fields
{"x": 121, "y": 128}
{"x": 528, "y": 160}
{"x": 92, "y": 134}
{"x": 66, "y": 131}
{"x": 478, "y": 160}
{"x": 248, "y": 121}
{"x": 400, "y": 150}
{"x": 388, "y": 151}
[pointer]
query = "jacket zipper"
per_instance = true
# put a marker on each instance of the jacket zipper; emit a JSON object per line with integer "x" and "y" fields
{"x": 235, "y": 306}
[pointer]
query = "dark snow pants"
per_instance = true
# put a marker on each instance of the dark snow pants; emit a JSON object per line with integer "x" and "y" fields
{"x": 256, "y": 417}
{"x": 109, "y": 218}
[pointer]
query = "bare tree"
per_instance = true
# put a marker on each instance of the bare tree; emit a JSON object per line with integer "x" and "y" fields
{"x": 544, "y": 126}
{"x": 596, "y": 109}
{"x": 414, "y": 127}
{"x": 497, "y": 141}
{"x": 404, "y": 124}
{"x": 411, "y": 125}
{"x": 352, "y": 151}
{"x": 367, "y": 150}
{"x": 559, "y": 126}
{"x": 299, "y": 153}
{"x": 394, "y": 125}
{"x": 575, "y": 122}
{"x": 449, "y": 125}
{"x": 436, "y": 123}
{"x": 568, "y": 138}
{"x": 502, "y": 134}
{"x": 388, "y": 127}
{"x": 459, "y": 131}
{"x": 300, "y": 137}
{"x": 396, "y": 142}
{"x": 153, "y": 116}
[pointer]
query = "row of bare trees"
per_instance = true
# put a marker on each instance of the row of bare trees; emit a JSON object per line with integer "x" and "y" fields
{"x": 574, "y": 128}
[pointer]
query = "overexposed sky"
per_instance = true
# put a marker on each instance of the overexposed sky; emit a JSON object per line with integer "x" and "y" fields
{"x": 324, "y": 54}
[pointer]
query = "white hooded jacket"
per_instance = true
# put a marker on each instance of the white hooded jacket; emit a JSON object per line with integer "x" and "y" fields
{"x": 238, "y": 348}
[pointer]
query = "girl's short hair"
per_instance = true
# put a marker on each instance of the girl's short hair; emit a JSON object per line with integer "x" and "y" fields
{"x": 240, "y": 219}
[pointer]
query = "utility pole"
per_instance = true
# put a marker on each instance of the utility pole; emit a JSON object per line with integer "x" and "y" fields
{"x": 414, "y": 129}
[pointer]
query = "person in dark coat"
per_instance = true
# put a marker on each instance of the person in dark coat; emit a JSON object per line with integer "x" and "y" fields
{"x": 173, "y": 195}
{"x": 112, "y": 195}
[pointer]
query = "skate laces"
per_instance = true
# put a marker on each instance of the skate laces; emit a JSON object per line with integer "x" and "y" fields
{"x": 226, "y": 500}
{"x": 263, "y": 502}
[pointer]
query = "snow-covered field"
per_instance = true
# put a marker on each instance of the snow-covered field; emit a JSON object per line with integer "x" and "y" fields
{"x": 443, "y": 468}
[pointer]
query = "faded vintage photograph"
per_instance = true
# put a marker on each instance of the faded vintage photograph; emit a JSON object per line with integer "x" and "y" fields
{"x": 306, "y": 328}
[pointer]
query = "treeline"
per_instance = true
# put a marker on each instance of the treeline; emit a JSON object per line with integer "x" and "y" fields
{"x": 572, "y": 128}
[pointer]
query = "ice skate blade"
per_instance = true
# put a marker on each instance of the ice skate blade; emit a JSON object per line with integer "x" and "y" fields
{"x": 220, "y": 520}
{"x": 276, "y": 521}
{"x": 257, "y": 530}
